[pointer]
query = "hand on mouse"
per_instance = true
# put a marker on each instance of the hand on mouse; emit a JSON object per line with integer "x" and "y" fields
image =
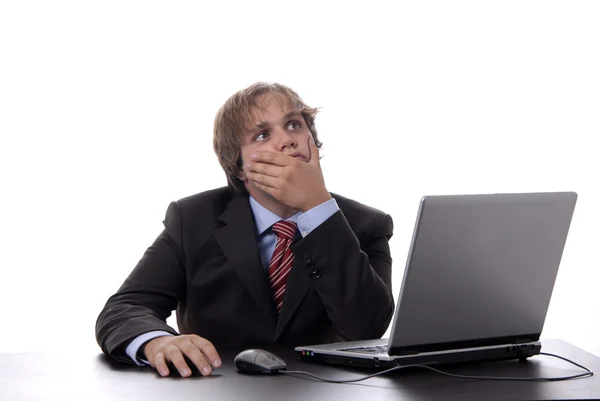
{"x": 161, "y": 350}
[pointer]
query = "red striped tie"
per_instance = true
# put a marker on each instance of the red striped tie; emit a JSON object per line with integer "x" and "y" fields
{"x": 281, "y": 261}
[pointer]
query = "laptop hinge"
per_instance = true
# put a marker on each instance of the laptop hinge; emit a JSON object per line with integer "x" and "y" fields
{"x": 522, "y": 341}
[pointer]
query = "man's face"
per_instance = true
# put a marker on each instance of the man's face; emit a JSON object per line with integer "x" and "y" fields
{"x": 275, "y": 126}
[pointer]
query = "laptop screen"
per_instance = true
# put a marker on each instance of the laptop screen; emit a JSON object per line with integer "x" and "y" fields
{"x": 481, "y": 269}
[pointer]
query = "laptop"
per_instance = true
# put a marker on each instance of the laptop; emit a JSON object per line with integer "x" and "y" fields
{"x": 477, "y": 284}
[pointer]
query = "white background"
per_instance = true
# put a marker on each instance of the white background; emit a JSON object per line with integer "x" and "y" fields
{"x": 106, "y": 112}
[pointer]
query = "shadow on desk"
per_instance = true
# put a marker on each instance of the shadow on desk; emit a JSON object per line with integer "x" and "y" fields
{"x": 114, "y": 366}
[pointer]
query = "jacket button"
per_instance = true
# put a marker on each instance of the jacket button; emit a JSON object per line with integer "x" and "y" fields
{"x": 306, "y": 258}
{"x": 316, "y": 273}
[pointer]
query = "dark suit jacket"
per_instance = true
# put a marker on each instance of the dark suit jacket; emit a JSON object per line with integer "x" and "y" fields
{"x": 206, "y": 264}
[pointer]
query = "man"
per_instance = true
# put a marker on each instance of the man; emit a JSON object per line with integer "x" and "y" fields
{"x": 272, "y": 258}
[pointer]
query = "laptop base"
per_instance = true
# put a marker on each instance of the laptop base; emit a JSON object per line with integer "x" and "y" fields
{"x": 459, "y": 356}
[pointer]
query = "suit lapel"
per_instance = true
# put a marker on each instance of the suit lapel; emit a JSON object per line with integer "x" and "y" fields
{"x": 239, "y": 244}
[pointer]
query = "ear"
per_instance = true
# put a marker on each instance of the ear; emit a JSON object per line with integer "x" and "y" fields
{"x": 241, "y": 174}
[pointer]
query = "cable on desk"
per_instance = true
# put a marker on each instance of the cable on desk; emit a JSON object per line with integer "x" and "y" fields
{"x": 299, "y": 372}
{"x": 588, "y": 373}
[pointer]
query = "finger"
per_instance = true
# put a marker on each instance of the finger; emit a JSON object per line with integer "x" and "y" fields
{"x": 209, "y": 351}
{"x": 160, "y": 364}
{"x": 176, "y": 357}
{"x": 197, "y": 358}
{"x": 314, "y": 152}
{"x": 271, "y": 191}
{"x": 278, "y": 159}
{"x": 264, "y": 168}
{"x": 262, "y": 179}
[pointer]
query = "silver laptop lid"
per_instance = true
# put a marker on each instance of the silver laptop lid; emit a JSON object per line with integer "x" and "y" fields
{"x": 480, "y": 270}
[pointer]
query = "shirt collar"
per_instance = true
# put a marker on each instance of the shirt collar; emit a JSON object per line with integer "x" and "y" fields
{"x": 265, "y": 218}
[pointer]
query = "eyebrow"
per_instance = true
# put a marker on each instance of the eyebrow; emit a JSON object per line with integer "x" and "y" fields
{"x": 264, "y": 124}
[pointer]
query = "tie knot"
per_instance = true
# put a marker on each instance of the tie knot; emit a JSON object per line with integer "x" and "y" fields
{"x": 285, "y": 229}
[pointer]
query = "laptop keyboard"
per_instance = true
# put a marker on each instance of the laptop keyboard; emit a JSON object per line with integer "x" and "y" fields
{"x": 377, "y": 349}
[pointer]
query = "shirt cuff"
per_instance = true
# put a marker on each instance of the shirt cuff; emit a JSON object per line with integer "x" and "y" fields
{"x": 137, "y": 342}
{"x": 316, "y": 216}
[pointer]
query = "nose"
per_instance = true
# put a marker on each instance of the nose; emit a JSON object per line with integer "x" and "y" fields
{"x": 285, "y": 141}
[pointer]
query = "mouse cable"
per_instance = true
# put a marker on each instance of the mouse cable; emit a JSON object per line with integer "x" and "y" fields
{"x": 588, "y": 373}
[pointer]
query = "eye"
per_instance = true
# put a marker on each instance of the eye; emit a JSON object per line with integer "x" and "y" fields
{"x": 294, "y": 124}
{"x": 261, "y": 136}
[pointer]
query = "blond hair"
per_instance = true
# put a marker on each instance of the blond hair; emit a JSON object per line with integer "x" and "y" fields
{"x": 233, "y": 118}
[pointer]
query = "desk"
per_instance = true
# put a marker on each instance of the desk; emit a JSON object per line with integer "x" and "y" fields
{"x": 95, "y": 377}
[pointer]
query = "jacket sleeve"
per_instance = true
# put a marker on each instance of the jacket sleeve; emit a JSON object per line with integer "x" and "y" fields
{"x": 352, "y": 277}
{"x": 150, "y": 293}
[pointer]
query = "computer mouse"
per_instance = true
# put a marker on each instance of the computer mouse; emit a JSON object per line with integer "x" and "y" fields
{"x": 258, "y": 361}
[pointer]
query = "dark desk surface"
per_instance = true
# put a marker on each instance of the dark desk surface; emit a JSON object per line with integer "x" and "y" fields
{"x": 93, "y": 376}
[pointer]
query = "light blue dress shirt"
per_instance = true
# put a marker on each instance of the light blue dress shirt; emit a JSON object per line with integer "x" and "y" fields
{"x": 267, "y": 239}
